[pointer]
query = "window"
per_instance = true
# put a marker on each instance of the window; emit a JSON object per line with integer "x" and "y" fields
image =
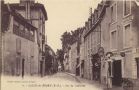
{"x": 18, "y": 45}
{"x": 127, "y": 36}
{"x": 113, "y": 13}
{"x": 127, "y": 7}
{"x": 113, "y": 40}
{"x": 17, "y": 65}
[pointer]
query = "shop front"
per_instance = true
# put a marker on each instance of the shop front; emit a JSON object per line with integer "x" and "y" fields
{"x": 112, "y": 69}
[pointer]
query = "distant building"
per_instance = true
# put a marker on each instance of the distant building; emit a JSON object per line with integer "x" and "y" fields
{"x": 66, "y": 58}
{"x": 73, "y": 58}
{"x": 51, "y": 63}
{"x": 73, "y": 55}
{"x": 81, "y": 47}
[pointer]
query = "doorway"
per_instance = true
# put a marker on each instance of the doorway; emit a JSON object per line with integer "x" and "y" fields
{"x": 77, "y": 67}
{"x": 117, "y": 73}
{"x": 41, "y": 68}
{"x": 82, "y": 69}
{"x": 23, "y": 65}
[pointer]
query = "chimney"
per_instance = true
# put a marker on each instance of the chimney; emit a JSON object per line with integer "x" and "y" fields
{"x": 90, "y": 12}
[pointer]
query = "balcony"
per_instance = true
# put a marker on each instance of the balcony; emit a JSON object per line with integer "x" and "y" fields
{"x": 23, "y": 33}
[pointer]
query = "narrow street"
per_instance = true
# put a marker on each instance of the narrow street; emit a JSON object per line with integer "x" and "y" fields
{"x": 60, "y": 81}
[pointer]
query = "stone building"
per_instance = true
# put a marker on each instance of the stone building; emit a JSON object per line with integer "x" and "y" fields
{"x": 73, "y": 58}
{"x": 24, "y": 30}
{"x": 81, "y": 52}
{"x": 92, "y": 44}
{"x": 66, "y": 58}
{"x": 36, "y": 14}
{"x": 111, "y": 42}
{"x": 74, "y": 55}
{"x": 51, "y": 63}
{"x": 120, "y": 39}
{"x": 18, "y": 39}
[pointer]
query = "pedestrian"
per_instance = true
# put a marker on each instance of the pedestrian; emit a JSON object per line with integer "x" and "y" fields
{"x": 59, "y": 68}
{"x": 109, "y": 73}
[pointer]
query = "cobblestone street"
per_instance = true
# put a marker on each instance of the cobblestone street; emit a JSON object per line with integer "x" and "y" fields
{"x": 60, "y": 81}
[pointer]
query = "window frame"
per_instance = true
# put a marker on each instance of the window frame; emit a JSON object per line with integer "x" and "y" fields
{"x": 113, "y": 49}
{"x": 124, "y": 46}
{"x": 18, "y": 45}
{"x": 115, "y": 3}
{"x": 124, "y": 9}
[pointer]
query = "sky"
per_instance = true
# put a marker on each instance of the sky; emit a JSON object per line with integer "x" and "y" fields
{"x": 64, "y": 15}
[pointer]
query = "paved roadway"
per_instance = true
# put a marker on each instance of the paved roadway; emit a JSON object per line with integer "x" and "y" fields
{"x": 59, "y": 81}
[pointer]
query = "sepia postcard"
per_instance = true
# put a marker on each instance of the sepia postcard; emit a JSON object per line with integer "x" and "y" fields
{"x": 69, "y": 44}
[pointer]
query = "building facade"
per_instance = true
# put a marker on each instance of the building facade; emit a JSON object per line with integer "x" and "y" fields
{"x": 51, "y": 63}
{"x": 73, "y": 58}
{"x": 24, "y": 30}
{"x": 36, "y": 14}
{"x": 92, "y": 44}
{"x": 66, "y": 58}
{"x": 81, "y": 52}
{"x": 120, "y": 38}
{"x": 18, "y": 44}
{"x": 111, "y": 42}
